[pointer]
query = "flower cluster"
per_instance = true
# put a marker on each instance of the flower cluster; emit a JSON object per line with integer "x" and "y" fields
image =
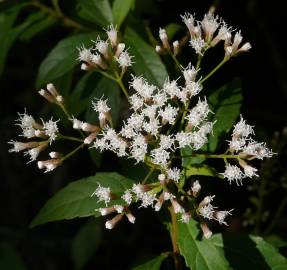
{"x": 162, "y": 122}
{"x": 206, "y": 34}
{"x": 105, "y": 53}
{"x": 245, "y": 147}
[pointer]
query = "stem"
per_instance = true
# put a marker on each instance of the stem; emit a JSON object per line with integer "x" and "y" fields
{"x": 148, "y": 175}
{"x": 70, "y": 138}
{"x": 214, "y": 70}
{"x": 58, "y": 14}
{"x": 178, "y": 65}
{"x": 224, "y": 156}
{"x": 72, "y": 152}
{"x": 173, "y": 235}
{"x": 120, "y": 83}
{"x": 276, "y": 216}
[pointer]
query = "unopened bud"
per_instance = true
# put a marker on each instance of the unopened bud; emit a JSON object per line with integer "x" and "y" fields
{"x": 207, "y": 233}
{"x": 89, "y": 127}
{"x": 131, "y": 217}
{"x": 164, "y": 39}
{"x": 175, "y": 45}
{"x": 52, "y": 90}
{"x": 46, "y": 95}
{"x": 55, "y": 155}
{"x": 90, "y": 138}
{"x": 110, "y": 224}
{"x": 120, "y": 49}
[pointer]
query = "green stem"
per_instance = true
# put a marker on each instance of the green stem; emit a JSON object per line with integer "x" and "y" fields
{"x": 173, "y": 234}
{"x": 178, "y": 65}
{"x": 69, "y": 138}
{"x": 120, "y": 83}
{"x": 148, "y": 175}
{"x": 214, "y": 70}
{"x": 224, "y": 156}
{"x": 73, "y": 152}
{"x": 276, "y": 216}
{"x": 57, "y": 13}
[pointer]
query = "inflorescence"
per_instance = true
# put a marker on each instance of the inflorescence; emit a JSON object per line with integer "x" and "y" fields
{"x": 162, "y": 122}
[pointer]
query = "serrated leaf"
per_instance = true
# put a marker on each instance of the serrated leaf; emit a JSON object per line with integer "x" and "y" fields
{"x": 202, "y": 169}
{"x": 121, "y": 9}
{"x": 75, "y": 199}
{"x": 153, "y": 264}
{"x": 62, "y": 58}
{"x": 198, "y": 254}
{"x": 85, "y": 243}
{"x": 225, "y": 103}
{"x": 147, "y": 62}
{"x": 249, "y": 252}
{"x": 96, "y": 11}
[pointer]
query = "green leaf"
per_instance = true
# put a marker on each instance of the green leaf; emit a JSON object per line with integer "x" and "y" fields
{"x": 199, "y": 254}
{"x": 86, "y": 243}
{"x": 153, "y": 264}
{"x": 9, "y": 33}
{"x": 96, "y": 11}
{"x": 172, "y": 29}
{"x": 38, "y": 27}
{"x": 225, "y": 103}
{"x": 121, "y": 9}
{"x": 109, "y": 90}
{"x": 62, "y": 58}
{"x": 202, "y": 169}
{"x": 249, "y": 252}
{"x": 80, "y": 98}
{"x": 75, "y": 199}
{"x": 147, "y": 62}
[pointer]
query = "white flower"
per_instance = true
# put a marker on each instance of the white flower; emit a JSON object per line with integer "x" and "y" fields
{"x": 138, "y": 148}
{"x": 160, "y": 98}
{"x": 50, "y": 129}
{"x": 124, "y": 60}
{"x": 102, "y": 46}
{"x": 150, "y": 111}
{"x": 241, "y": 129}
{"x": 151, "y": 127}
{"x": 198, "y": 114}
{"x": 189, "y": 74}
{"x": 233, "y": 173}
{"x": 258, "y": 150}
{"x": 198, "y": 44}
{"x": 188, "y": 19}
{"x": 103, "y": 194}
{"x": 142, "y": 87}
{"x": 160, "y": 156}
{"x": 183, "y": 138}
{"x": 221, "y": 215}
{"x": 25, "y": 120}
{"x": 112, "y": 34}
{"x": 209, "y": 25}
{"x": 166, "y": 142}
{"x": 168, "y": 114}
{"x": 193, "y": 88}
{"x": 171, "y": 88}
{"x": 196, "y": 187}
{"x": 250, "y": 171}
{"x": 127, "y": 197}
{"x": 85, "y": 54}
{"x": 100, "y": 106}
{"x": 136, "y": 102}
{"x": 207, "y": 211}
{"x": 174, "y": 174}
{"x": 147, "y": 199}
{"x": 138, "y": 190}
{"x": 185, "y": 217}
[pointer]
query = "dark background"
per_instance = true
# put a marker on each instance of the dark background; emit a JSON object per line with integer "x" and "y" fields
{"x": 24, "y": 189}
